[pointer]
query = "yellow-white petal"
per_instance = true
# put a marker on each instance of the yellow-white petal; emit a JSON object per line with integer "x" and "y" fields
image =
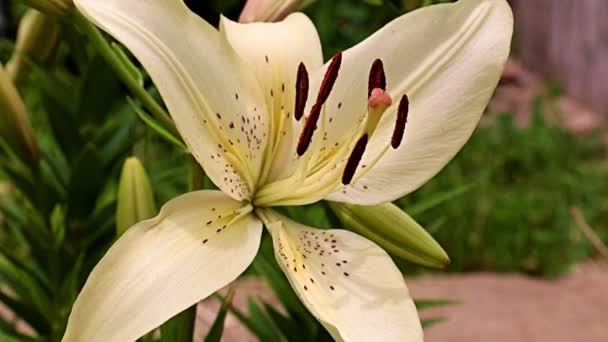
{"x": 349, "y": 283}
{"x": 448, "y": 59}
{"x": 213, "y": 98}
{"x": 161, "y": 266}
{"x": 274, "y": 51}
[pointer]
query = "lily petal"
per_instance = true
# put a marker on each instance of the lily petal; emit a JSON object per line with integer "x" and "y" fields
{"x": 161, "y": 266}
{"x": 274, "y": 51}
{"x": 214, "y": 100}
{"x": 349, "y": 283}
{"x": 448, "y": 59}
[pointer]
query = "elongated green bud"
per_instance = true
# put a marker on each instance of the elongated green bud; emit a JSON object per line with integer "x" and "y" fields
{"x": 394, "y": 230}
{"x": 135, "y": 199}
{"x": 36, "y": 38}
{"x": 15, "y": 128}
{"x": 52, "y": 7}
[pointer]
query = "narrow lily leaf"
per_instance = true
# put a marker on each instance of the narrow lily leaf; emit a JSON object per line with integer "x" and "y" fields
{"x": 217, "y": 328}
{"x": 422, "y": 304}
{"x": 157, "y": 127}
{"x": 19, "y": 263}
{"x": 28, "y": 290}
{"x": 264, "y": 326}
{"x": 84, "y": 185}
{"x": 99, "y": 91}
{"x": 8, "y": 333}
{"x": 121, "y": 71}
{"x": 126, "y": 62}
{"x": 426, "y": 323}
{"x": 26, "y": 312}
{"x": 58, "y": 224}
{"x": 291, "y": 329}
{"x": 180, "y": 328}
{"x": 116, "y": 135}
{"x": 255, "y": 324}
{"x": 394, "y": 230}
{"x": 438, "y": 199}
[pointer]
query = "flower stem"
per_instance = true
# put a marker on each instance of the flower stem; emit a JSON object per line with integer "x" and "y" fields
{"x": 122, "y": 71}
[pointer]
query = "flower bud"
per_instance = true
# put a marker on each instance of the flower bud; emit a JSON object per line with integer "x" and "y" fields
{"x": 52, "y": 7}
{"x": 394, "y": 230}
{"x": 135, "y": 199}
{"x": 269, "y": 10}
{"x": 15, "y": 128}
{"x": 36, "y": 38}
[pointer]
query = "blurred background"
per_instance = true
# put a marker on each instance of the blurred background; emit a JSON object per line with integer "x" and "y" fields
{"x": 522, "y": 210}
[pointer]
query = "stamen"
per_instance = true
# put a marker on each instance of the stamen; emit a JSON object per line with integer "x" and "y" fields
{"x": 301, "y": 92}
{"x": 309, "y": 128}
{"x": 402, "y": 112}
{"x": 330, "y": 78}
{"x": 377, "y": 79}
{"x": 311, "y": 123}
{"x": 354, "y": 159}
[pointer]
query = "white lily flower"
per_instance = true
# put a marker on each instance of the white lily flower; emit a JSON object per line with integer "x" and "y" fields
{"x": 271, "y": 125}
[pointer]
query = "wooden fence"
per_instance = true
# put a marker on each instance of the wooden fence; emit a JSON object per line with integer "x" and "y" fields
{"x": 566, "y": 41}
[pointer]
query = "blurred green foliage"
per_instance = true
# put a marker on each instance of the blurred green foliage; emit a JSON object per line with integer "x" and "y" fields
{"x": 516, "y": 215}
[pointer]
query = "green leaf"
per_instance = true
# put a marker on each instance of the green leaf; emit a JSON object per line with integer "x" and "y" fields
{"x": 58, "y": 224}
{"x": 179, "y": 328}
{"x": 438, "y": 199}
{"x": 128, "y": 64}
{"x": 115, "y": 137}
{"x": 87, "y": 173}
{"x": 158, "y": 128}
{"x": 260, "y": 324}
{"x": 8, "y": 333}
{"x": 291, "y": 329}
{"x": 422, "y": 304}
{"x": 27, "y": 289}
{"x": 99, "y": 92}
{"x": 217, "y": 328}
{"x": 26, "y": 313}
{"x": 426, "y": 323}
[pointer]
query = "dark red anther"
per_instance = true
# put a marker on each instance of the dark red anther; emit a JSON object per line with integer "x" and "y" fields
{"x": 377, "y": 79}
{"x": 301, "y": 92}
{"x": 354, "y": 159}
{"x": 404, "y": 106}
{"x": 309, "y": 128}
{"x": 330, "y": 78}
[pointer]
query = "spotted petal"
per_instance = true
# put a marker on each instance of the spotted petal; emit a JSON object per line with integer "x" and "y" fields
{"x": 274, "y": 51}
{"x": 447, "y": 58}
{"x": 213, "y": 98}
{"x": 350, "y": 284}
{"x": 161, "y": 266}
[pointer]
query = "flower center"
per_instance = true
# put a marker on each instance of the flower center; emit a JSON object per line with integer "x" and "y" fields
{"x": 321, "y": 169}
